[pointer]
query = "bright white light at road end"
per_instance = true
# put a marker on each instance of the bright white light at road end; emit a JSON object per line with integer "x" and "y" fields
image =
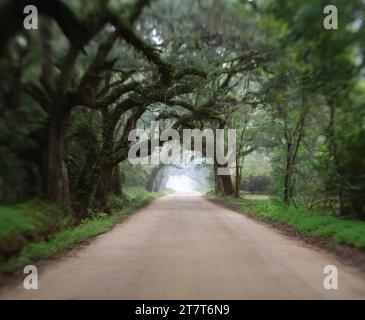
{"x": 181, "y": 183}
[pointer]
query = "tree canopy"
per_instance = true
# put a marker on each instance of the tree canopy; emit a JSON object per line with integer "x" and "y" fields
{"x": 72, "y": 91}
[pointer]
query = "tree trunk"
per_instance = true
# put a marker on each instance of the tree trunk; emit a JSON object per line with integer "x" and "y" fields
{"x": 216, "y": 187}
{"x": 228, "y": 189}
{"x": 226, "y": 181}
{"x": 287, "y": 176}
{"x": 116, "y": 186}
{"x": 153, "y": 176}
{"x": 55, "y": 159}
{"x": 218, "y": 183}
{"x": 104, "y": 186}
{"x": 344, "y": 207}
{"x": 87, "y": 185}
{"x": 238, "y": 178}
{"x": 54, "y": 153}
{"x": 223, "y": 183}
{"x": 238, "y": 182}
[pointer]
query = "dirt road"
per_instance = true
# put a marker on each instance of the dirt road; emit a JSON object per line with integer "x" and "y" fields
{"x": 184, "y": 247}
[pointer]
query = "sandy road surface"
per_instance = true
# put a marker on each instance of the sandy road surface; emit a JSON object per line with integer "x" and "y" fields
{"x": 184, "y": 247}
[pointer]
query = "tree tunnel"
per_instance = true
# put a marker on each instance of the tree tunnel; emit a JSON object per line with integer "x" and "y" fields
{"x": 181, "y": 178}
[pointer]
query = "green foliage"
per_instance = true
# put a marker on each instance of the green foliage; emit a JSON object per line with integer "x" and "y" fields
{"x": 133, "y": 175}
{"x": 134, "y": 193}
{"x": 256, "y": 184}
{"x": 26, "y": 222}
{"x": 320, "y": 68}
{"x": 257, "y": 164}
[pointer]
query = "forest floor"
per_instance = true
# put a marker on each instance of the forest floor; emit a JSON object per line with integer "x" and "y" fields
{"x": 183, "y": 246}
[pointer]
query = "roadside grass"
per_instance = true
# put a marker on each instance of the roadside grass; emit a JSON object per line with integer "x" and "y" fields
{"x": 317, "y": 224}
{"x": 69, "y": 237}
{"x": 26, "y": 222}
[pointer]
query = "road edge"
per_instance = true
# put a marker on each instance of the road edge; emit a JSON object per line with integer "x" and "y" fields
{"x": 345, "y": 254}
